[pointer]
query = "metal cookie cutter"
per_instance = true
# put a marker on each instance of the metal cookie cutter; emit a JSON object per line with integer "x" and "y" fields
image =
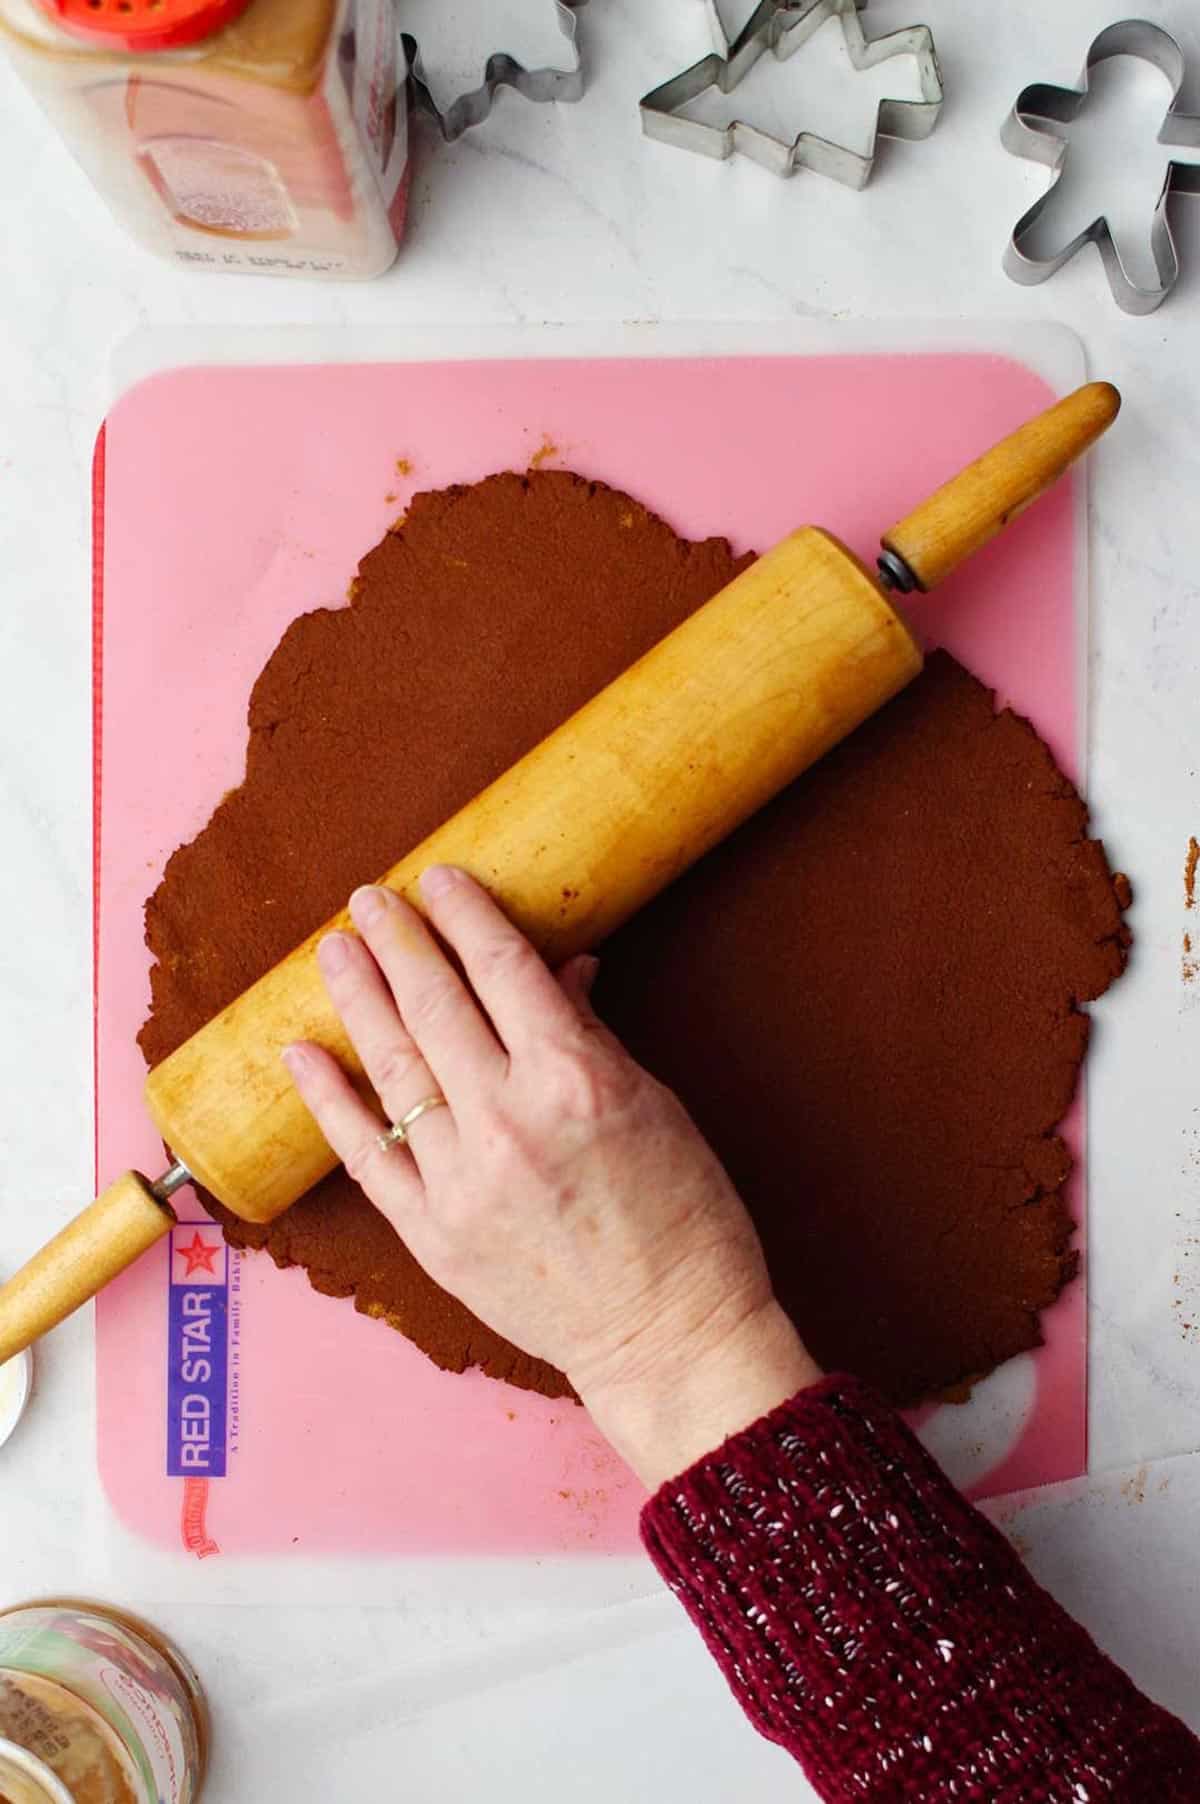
{"x": 501, "y": 71}
{"x": 1029, "y": 132}
{"x": 782, "y": 27}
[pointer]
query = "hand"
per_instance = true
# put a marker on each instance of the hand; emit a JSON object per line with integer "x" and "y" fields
{"x": 563, "y": 1195}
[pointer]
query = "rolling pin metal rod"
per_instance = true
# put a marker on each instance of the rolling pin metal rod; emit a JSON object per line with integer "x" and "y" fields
{"x": 574, "y": 839}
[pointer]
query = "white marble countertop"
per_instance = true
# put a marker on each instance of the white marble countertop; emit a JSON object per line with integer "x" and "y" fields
{"x": 566, "y": 214}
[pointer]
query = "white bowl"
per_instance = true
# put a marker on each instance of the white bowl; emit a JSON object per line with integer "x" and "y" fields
{"x": 16, "y": 1380}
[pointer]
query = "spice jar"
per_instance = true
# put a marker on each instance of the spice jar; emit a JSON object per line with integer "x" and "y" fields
{"x": 247, "y": 135}
{"x": 96, "y": 1707}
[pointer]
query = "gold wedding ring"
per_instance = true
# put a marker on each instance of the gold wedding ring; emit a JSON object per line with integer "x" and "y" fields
{"x": 397, "y": 1134}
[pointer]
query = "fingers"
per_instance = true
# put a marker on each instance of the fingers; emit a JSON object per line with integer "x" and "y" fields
{"x": 436, "y": 1008}
{"x": 390, "y": 1179}
{"x": 575, "y": 980}
{"x": 519, "y": 992}
{"x": 398, "y": 1074}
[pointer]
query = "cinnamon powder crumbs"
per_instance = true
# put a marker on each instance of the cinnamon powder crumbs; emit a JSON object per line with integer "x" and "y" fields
{"x": 545, "y": 451}
{"x": 404, "y": 466}
{"x": 1133, "y": 1489}
{"x": 1189, "y": 873}
{"x": 869, "y": 998}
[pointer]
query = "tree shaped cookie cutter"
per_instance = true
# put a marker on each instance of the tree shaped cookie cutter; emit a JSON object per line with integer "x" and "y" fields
{"x": 501, "y": 71}
{"x": 1029, "y": 132}
{"x": 783, "y": 27}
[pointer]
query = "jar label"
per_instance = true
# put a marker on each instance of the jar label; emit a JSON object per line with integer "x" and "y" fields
{"x": 379, "y": 92}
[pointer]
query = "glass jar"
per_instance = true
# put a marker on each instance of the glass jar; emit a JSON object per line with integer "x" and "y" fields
{"x": 96, "y": 1707}
{"x": 248, "y": 135}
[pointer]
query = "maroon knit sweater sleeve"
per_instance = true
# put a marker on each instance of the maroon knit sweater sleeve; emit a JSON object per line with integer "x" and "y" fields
{"x": 881, "y": 1630}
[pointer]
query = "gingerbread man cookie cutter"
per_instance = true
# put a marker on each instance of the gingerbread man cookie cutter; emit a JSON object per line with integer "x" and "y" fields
{"x": 1030, "y": 132}
{"x": 501, "y": 71}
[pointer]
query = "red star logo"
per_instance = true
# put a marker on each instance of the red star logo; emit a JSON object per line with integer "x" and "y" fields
{"x": 199, "y": 1255}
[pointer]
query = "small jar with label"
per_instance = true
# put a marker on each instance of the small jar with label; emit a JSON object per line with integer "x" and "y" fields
{"x": 265, "y": 136}
{"x": 96, "y": 1707}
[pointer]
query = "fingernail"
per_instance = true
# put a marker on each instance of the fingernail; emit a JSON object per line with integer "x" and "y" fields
{"x": 368, "y": 905}
{"x": 295, "y": 1058}
{"x": 333, "y": 953}
{"x": 440, "y": 879}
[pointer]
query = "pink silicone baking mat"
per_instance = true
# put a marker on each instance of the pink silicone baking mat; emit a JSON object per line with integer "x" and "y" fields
{"x": 239, "y": 1411}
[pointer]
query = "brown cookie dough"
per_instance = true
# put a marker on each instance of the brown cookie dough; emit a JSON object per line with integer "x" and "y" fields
{"x": 867, "y": 998}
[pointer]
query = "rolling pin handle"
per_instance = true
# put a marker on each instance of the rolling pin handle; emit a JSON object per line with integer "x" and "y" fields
{"x": 923, "y": 549}
{"x": 122, "y": 1224}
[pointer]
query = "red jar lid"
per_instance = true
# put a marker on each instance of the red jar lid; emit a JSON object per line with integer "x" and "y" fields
{"x": 143, "y": 24}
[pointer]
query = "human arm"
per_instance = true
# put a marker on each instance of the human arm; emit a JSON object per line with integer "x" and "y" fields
{"x": 879, "y": 1628}
{"x": 566, "y": 1198}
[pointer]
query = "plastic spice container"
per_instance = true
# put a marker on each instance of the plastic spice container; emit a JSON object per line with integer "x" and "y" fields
{"x": 96, "y": 1708}
{"x": 247, "y": 135}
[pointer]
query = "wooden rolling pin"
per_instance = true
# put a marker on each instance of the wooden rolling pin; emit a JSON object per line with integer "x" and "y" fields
{"x": 572, "y": 841}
